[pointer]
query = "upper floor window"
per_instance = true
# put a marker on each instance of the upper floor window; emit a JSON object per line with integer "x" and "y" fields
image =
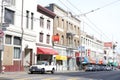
{"x": 27, "y": 19}
{"x": 75, "y": 43}
{"x": 62, "y": 40}
{"x": 75, "y": 27}
{"x": 62, "y": 25}
{"x": 48, "y": 39}
{"x": 57, "y": 21}
{"x": 32, "y": 17}
{"x": 78, "y": 43}
{"x": 8, "y": 39}
{"x": 48, "y": 24}
{"x": 17, "y": 41}
{"x": 10, "y": 2}
{"x": 9, "y": 16}
{"x": 67, "y": 25}
{"x": 41, "y": 22}
{"x": 41, "y": 37}
{"x": 69, "y": 40}
{"x": 78, "y": 30}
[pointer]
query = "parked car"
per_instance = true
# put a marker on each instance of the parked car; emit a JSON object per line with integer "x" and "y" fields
{"x": 90, "y": 68}
{"x": 42, "y": 66}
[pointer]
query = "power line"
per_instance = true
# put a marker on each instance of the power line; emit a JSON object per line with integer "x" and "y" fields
{"x": 66, "y": 6}
{"x": 84, "y": 14}
{"x": 111, "y": 3}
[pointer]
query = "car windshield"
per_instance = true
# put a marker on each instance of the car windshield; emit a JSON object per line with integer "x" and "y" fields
{"x": 41, "y": 62}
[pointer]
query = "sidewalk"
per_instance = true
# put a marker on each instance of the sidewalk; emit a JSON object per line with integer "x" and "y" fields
{"x": 26, "y": 72}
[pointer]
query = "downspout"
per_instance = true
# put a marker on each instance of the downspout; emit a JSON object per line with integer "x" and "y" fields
{"x": 21, "y": 56}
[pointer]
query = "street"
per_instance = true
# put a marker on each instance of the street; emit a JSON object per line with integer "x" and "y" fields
{"x": 78, "y": 75}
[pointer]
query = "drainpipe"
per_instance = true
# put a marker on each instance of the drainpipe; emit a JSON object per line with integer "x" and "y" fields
{"x": 22, "y": 34}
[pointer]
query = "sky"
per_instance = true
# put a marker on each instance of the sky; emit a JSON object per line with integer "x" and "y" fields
{"x": 101, "y": 17}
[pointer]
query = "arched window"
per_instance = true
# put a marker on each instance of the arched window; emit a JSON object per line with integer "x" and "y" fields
{"x": 62, "y": 39}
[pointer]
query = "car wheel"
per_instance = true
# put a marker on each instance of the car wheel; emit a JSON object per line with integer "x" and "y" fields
{"x": 31, "y": 72}
{"x": 53, "y": 71}
{"x": 43, "y": 71}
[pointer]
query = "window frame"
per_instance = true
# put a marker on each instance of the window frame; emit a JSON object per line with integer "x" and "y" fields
{"x": 17, "y": 55}
{"x": 9, "y": 16}
{"x": 48, "y": 39}
{"x": 41, "y": 37}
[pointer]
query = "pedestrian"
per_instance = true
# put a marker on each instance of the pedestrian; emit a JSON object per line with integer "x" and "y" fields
{"x": 3, "y": 69}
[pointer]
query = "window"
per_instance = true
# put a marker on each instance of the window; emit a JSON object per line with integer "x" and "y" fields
{"x": 48, "y": 24}
{"x": 57, "y": 21}
{"x": 27, "y": 19}
{"x": 62, "y": 40}
{"x": 8, "y": 39}
{"x": 17, "y": 41}
{"x": 75, "y": 44}
{"x": 9, "y": 16}
{"x": 75, "y": 27}
{"x": 41, "y": 22}
{"x": 69, "y": 40}
{"x": 11, "y": 2}
{"x": 78, "y": 43}
{"x": 62, "y": 25}
{"x": 32, "y": 17}
{"x": 78, "y": 30}
{"x": 67, "y": 25}
{"x": 41, "y": 37}
{"x": 16, "y": 53}
{"x": 48, "y": 39}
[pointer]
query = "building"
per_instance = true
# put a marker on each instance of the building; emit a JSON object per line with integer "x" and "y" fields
{"x": 44, "y": 32}
{"x": 67, "y": 27}
{"x": 94, "y": 49}
{"x": 111, "y": 55}
{"x": 19, "y": 35}
{"x": 27, "y": 35}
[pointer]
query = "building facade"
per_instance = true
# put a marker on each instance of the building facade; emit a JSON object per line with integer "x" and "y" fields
{"x": 94, "y": 49}
{"x": 28, "y": 35}
{"x": 68, "y": 29}
{"x": 44, "y": 32}
{"x": 34, "y": 33}
{"x": 19, "y": 36}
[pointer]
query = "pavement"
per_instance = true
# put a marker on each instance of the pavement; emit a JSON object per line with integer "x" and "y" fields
{"x": 25, "y": 72}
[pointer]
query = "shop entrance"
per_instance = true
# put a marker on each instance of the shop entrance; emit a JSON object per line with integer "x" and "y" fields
{"x": 44, "y": 57}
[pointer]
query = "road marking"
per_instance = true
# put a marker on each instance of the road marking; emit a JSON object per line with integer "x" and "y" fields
{"x": 28, "y": 78}
{"x": 51, "y": 78}
{"x": 73, "y": 79}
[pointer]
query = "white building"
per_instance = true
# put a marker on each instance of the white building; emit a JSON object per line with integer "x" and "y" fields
{"x": 22, "y": 37}
{"x": 94, "y": 48}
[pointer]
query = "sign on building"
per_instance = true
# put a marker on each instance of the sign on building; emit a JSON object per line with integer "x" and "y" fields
{"x": 81, "y": 49}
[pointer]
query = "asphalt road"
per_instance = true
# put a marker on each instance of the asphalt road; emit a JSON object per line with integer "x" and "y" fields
{"x": 100, "y": 75}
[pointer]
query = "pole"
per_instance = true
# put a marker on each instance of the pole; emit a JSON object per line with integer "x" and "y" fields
{"x": 1, "y": 41}
{"x": 21, "y": 56}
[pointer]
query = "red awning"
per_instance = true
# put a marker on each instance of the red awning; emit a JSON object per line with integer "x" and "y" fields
{"x": 49, "y": 51}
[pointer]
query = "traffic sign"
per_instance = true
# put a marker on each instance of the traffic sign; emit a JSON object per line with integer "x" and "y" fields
{"x": 1, "y": 33}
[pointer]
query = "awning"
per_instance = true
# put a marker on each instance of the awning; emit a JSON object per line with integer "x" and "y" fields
{"x": 41, "y": 50}
{"x": 59, "y": 57}
{"x": 85, "y": 60}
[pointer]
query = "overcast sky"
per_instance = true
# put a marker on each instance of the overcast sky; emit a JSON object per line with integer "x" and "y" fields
{"x": 102, "y": 19}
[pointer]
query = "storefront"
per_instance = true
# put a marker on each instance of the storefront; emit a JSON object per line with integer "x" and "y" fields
{"x": 60, "y": 62}
{"x": 46, "y": 54}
